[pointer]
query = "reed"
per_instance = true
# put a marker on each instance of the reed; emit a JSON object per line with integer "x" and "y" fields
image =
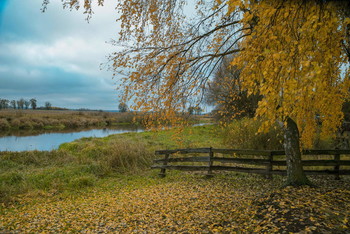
{"x": 62, "y": 119}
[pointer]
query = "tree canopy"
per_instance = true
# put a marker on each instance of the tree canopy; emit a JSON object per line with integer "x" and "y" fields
{"x": 296, "y": 59}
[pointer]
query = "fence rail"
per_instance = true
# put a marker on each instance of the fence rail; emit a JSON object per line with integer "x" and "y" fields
{"x": 267, "y": 162}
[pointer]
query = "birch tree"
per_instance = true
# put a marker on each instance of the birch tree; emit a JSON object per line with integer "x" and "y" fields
{"x": 295, "y": 54}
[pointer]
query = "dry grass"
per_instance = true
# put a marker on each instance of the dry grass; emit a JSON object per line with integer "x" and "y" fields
{"x": 58, "y": 119}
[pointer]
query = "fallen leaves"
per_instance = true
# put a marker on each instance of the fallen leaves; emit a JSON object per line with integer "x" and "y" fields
{"x": 223, "y": 204}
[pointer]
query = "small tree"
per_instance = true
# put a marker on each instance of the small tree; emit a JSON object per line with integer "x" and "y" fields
{"x": 33, "y": 103}
{"x": 191, "y": 110}
{"x": 225, "y": 91}
{"x": 20, "y": 103}
{"x": 48, "y": 105}
{"x": 4, "y": 103}
{"x": 26, "y": 104}
{"x": 123, "y": 107}
{"x": 195, "y": 110}
{"x": 13, "y": 104}
{"x": 198, "y": 110}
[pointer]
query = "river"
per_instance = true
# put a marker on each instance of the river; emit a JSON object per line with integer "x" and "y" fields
{"x": 52, "y": 140}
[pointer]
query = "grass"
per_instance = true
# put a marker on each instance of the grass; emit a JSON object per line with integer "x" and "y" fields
{"x": 83, "y": 163}
{"x": 60, "y": 119}
{"x": 105, "y": 185}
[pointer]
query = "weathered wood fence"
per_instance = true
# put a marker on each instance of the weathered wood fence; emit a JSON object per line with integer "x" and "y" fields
{"x": 267, "y": 162}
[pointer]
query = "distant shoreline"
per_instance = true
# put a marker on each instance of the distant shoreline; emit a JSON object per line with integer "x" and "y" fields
{"x": 13, "y": 119}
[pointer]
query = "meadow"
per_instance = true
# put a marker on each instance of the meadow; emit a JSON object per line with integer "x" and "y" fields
{"x": 61, "y": 119}
{"x": 106, "y": 185}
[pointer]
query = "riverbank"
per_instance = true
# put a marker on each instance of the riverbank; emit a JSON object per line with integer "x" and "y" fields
{"x": 85, "y": 162}
{"x": 62, "y": 119}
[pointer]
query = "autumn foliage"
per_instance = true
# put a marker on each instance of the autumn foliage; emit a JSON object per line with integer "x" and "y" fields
{"x": 294, "y": 57}
{"x": 294, "y": 53}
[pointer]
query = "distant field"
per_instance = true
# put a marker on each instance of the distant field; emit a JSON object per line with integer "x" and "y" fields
{"x": 60, "y": 119}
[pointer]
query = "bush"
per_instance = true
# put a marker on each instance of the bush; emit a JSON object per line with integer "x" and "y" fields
{"x": 26, "y": 124}
{"x": 243, "y": 134}
{"x": 127, "y": 155}
{"x": 4, "y": 125}
{"x": 15, "y": 123}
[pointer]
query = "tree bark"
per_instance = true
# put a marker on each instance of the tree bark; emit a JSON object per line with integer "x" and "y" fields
{"x": 295, "y": 172}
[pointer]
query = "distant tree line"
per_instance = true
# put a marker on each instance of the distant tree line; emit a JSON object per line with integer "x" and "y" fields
{"x": 22, "y": 104}
{"x": 195, "y": 110}
{"x": 123, "y": 107}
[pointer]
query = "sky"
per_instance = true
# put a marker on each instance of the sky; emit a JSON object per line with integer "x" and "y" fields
{"x": 55, "y": 56}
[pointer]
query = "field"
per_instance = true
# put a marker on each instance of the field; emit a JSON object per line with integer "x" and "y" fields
{"x": 105, "y": 185}
{"x": 60, "y": 119}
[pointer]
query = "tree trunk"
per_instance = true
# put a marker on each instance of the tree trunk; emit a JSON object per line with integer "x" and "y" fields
{"x": 295, "y": 172}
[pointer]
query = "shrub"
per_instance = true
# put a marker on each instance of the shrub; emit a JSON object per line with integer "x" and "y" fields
{"x": 26, "y": 124}
{"x": 243, "y": 134}
{"x": 4, "y": 125}
{"x": 15, "y": 123}
{"x": 122, "y": 155}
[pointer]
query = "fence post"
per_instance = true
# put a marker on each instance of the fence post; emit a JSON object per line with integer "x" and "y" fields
{"x": 337, "y": 166}
{"x": 163, "y": 170}
{"x": 269, "y": 166}
{"x": 210, "y": 163}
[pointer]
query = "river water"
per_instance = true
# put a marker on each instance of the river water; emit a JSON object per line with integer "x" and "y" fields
{"x": 52, "y": 140}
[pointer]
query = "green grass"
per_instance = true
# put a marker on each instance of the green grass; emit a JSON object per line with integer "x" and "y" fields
{"x": 106, "y": 185}
{"x": 88, "y": 161}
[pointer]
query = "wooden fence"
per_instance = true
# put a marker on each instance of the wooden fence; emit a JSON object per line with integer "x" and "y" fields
{"x": 267, "y": 162}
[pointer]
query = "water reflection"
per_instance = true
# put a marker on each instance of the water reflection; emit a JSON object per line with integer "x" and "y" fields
{"x": 48, "y": 140}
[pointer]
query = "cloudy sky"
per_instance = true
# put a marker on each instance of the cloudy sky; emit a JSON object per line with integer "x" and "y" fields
{"x": 55, "y": 56}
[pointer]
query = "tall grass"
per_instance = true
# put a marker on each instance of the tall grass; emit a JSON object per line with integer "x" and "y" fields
{"x": 76, "y": 165}
{"x": 54, "y": 119}
{"x": 90, "y": 161}
{"x": 243, "y": 134}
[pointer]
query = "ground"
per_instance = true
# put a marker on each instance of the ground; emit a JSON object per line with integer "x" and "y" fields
{"x": 186, "y": 203}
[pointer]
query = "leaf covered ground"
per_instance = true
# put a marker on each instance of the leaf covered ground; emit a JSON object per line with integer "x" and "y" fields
{"x": 186, "y": 203}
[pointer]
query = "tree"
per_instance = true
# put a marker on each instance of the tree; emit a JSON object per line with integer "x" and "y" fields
{"x": 33, "y": 103}
{"x": 4, "y": 103}
{"x": 195, "y": 110}
{"x": 48, "y": 105}
{"x": 20, "y": 103}
{"x": 27, "y": 104}
{"x": 191, "y": 110}
{"x": 198, "y": 110}
{"x": 226, "y": 93}
{"x": 13, "y": 104}
{"x": 123, "y": 107}
{"x": 296, "y": 66}
{"x": 295, "y": 54}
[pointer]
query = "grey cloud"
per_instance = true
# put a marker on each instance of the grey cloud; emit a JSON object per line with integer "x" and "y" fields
{"x": 55, "y": 56}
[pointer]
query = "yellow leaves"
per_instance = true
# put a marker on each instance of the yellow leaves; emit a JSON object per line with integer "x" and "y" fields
{"x": 347, "y": 21}
{"x": 295, "y": 64}
{"x": 248, "y": 16}
{"x": 276, "y": 56}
